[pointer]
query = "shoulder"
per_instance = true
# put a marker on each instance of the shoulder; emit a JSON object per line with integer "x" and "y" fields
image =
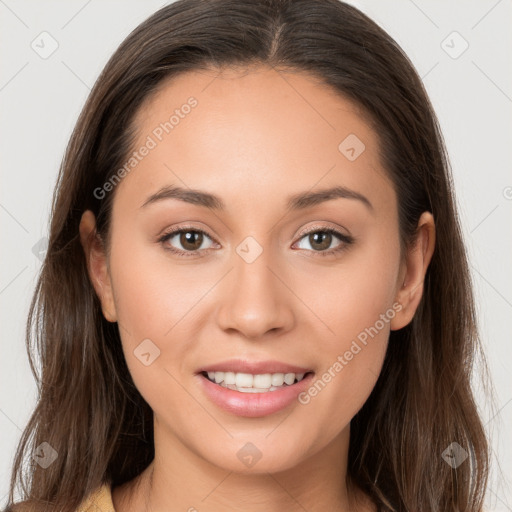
{"x": 100, "y": 499}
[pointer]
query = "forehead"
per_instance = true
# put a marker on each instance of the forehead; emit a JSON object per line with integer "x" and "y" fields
{"x": 252, "y": 132}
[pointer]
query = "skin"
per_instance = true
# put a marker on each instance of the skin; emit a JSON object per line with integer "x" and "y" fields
{"x": 256, "y": 137}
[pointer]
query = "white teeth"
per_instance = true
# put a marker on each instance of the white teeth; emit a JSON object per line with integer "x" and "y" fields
{"x": 289, "y": 378}
{"x": 229, "y": 377}
{"x": 263, "y": 381}
{"x": 277, "y": 379}
{"x": 243, "y": 380}
{"x": 252, "y": 390}
{"x": 248, "y": 383}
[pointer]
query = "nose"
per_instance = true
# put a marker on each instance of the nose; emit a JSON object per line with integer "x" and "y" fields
{"x": 255, "y": 299}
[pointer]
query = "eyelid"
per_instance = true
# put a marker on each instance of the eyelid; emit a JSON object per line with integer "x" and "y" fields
{"x": 185, "y": 227}
{"x": 322, "y": 227}
{"x": 171, "y": 232}
{"x": 345, "y": 239}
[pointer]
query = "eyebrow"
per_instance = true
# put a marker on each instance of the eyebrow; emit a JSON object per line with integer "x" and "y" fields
{"x": 298, "y": 201}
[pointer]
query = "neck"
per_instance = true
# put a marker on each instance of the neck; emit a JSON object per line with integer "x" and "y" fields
{"x": 179, "y": 479}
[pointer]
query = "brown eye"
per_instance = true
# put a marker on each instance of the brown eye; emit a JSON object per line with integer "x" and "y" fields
{"x": 320, "y": 240}
{"x": 191, "y": 240}
{"x": 186, "y": 241}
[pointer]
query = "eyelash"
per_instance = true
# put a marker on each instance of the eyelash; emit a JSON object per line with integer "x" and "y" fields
{"x": 345, "y": 239}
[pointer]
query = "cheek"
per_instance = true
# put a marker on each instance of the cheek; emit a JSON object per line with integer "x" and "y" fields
{"x": 356, "y": 303}
{"x": 341, "y": 329}
{"x": 351, "y": 295}
{"x": 151, "y": 292}
{"x": 154, "y": 301}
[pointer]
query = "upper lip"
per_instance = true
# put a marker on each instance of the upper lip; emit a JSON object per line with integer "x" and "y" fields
{"x": 253, "y": 367}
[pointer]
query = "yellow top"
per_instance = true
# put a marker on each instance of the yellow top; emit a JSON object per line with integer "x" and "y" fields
{"x": 98, "y": 501}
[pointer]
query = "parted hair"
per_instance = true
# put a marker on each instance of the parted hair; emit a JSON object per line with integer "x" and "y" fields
{"x": 88, "y": 409}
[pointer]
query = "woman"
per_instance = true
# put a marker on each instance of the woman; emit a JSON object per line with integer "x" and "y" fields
{"x": 256, "y": 294}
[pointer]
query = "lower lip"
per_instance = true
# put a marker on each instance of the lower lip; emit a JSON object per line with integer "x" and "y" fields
{"x": 253, "y": 405}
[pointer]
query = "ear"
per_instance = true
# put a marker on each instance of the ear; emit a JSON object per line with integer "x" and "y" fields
{"x": 412, "y": 276}
{"x": 97, "y": 264}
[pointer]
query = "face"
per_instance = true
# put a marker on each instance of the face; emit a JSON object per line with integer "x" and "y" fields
{"x": 257, "y": 280}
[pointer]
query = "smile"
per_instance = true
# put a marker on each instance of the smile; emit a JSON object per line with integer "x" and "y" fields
{"x": 255, "y": 394}
{"x": 249, "y": 383}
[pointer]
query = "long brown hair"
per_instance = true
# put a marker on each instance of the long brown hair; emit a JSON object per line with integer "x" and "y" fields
{"x": 88, "y": 408}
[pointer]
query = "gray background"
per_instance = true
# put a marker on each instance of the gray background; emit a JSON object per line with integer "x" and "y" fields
{"x": 41, "y": 98}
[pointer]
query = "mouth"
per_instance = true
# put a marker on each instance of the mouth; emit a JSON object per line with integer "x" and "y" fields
{"x": 254, "y": 383}
{"x": 252, "y": 388}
